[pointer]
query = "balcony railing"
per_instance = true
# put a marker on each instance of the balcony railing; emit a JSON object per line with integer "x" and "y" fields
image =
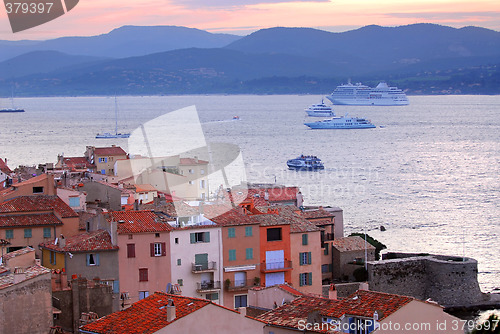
{"x": 237, "y": 285}
{"x": 207, "y": 286}
{"x": 276, "y": 266}
{"x": 204, "y": 267}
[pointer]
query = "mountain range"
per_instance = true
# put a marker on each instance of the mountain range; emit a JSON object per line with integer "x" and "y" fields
{"x": 420, "y": 58}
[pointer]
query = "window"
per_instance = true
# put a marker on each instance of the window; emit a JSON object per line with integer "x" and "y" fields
{"x": 46, "y": 232}
{"x": 176, "y": 240}
{"x": 37, "y": 190}
{"x": 52, "y": 257}
{"x": 240, "y": 301}
{"x": 180, "y": 282}
{"x": 249, "y": 253}
{"x": 326, "y": 268}
{"x": 158, "y": 249}
{"x": 202, "y": 184}
{"x": 9, "y": 234}
{"x": 157, "y": 235}
{"x": 74, "y": 202}
{"x": 191, "y": 171}
{"x": 130, "y": 250}
{"x": 143, "y": 275}
{"x": 143, "y": 294}
{"x": 103, "y": 171}
{"x": 105, "y": 160}
{"x": 232, "y": 255}
{"x": 199, "y": 237}
{"x": 231, "y": 233}
{"x": 274, "y": 234}
{"x": 248, "y": 231}
{"x": 212, "y": 296}
{"x": 304, "y": 239}
{"x": 92, "y": 259}
{"x": 326, "y": 249}
{"x": 305, "y": 258}
{"x": 130, "y": 236}
{"x": 27, "y": 233}
{"x": 305, "y": 279}
{"x": 202, "y": 171}
{"x": 179, "y": 262}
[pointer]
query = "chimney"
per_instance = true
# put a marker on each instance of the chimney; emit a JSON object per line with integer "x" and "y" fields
{"x": 19, "y": 275}
{"x": 62, "y": 241}
{"x": 332, "y": 292}
{"x": 170, "y": 310}
{"x": 363, "y": 286}
{"x": 114, "y": 233}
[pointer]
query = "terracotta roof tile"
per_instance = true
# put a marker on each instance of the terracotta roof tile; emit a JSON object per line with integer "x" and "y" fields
{"x": 225, "y": 215}
{"x": 262, "y": 195}
{"x": 317, "y": 213}
{"x": 348, "y": 244}
{"x": 37, "y": 203}
{"x": 290, "y": 314}
{"x": 4, "y": 168}
{"x": 172, "y": 209}
{"x": 139, "y": 222}
{"x": 7, "y": 280}
{"x": 148, "y": 315}
{"x": 191, "y": 161}
{"x": 42, "y": 219}
{"x": 99, "y": 240}
{"x": 76, "y": 163}
{"x": 112, "y": 150}
{"x": 364, "y": 303}
{"x": 18, "y": 252}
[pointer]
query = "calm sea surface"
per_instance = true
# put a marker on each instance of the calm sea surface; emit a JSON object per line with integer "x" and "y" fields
{"x": 429, "y": 172}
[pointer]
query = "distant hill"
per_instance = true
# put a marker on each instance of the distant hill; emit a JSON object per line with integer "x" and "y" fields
{"x": 420, "y": 58}
{"x": 37, "y": 62}
{"x": 126, "y": 41}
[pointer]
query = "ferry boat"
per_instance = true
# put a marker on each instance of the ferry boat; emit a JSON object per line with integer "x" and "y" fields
{"x": 342, "y": 122}
{"x": 305, "y": 162}
{"x": 319, "y": 110}
{"x": 362, "y": 95}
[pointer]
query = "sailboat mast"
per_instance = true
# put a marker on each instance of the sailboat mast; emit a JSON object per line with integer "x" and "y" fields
{"x": 116, "y": 116}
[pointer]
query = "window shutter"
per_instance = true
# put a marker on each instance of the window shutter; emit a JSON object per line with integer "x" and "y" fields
{"x": 301, "y": 259}
{"x": 309, "y": 258}
{"x": 326, "y": 249}
{"x": 130, "y": 250}
{"x": 301, "y": 280}
{"x": 116, "y": 287}
{"x": 88, "y": 259}
{"x": 206, "y": 237}
{"x": 163, "y": 249}
{"x": 152, "y": 249}
{"x": 304, "y": 239}
{"x": 192, "y": 237}
{"x": 310, "y": 278}
{"x": 96, "y": 259}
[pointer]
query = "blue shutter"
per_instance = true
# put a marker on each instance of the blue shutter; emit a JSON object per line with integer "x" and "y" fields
{"x": 116, "y": 286}
{"x": 88, "y": 259}
{"x": 96, "y": 259}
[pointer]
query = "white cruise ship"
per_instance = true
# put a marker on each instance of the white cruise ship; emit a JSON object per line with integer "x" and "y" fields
{"x": 362, "y": 95}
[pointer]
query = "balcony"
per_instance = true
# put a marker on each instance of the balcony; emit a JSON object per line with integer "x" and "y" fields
{"x": 210, "y": 286}
{"x": 241, "y": 285}
{"x": 204, "y": 267}
{"x": 272, "y": 267}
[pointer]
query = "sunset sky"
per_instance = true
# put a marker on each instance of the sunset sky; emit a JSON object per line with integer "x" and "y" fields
{"x": 241, "y": 17}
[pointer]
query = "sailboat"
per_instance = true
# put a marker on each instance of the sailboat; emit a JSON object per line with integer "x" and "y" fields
{"x": 12, "y": 109}
{"x": 106, "y": 135}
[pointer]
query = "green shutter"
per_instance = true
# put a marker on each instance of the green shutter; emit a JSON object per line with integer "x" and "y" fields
{"x": 309, "y": 278}
{"x": 248, "y": 231}
{"x": 232, "y": 255}
{"x": 304, "y": 239}
{"x": 46, "y": 232}
{"x": 301, "y": 259}
{"x": 301, "y": 279}
{"x": 249, "y": 253}
{"x": 309, "y": 260}
{"x": 326, "y": 249}
{"x": 9, "y": 234}
{"x": 231, "y": 233}
{"x": 192, "y": 237}
{"x": 206, "y": 237}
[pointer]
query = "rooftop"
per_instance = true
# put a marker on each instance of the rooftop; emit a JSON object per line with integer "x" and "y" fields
{"x": 191, "y": 161}
{"x": 7, "y": 280}
{"x": 348, "y": 244}
{"x": 37, "y": 203}
{"x": 130, "y": 222}
{"x": 99, "y": 240}
{"x": 225, "y": 215}
{"x": 148, "y": 315}
{"x": 3, "y": 166}
{"x": 42, "y": 219}
{"x": 112, "y": 150}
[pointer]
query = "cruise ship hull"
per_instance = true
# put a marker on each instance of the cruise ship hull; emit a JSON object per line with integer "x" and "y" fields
{"x": 362, "y": 95}
{"x": 367, "y": 102}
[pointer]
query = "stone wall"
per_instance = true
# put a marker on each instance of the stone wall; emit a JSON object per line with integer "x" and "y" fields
{"x": 26, "y": 307}
{"x": 448, "y": 280}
